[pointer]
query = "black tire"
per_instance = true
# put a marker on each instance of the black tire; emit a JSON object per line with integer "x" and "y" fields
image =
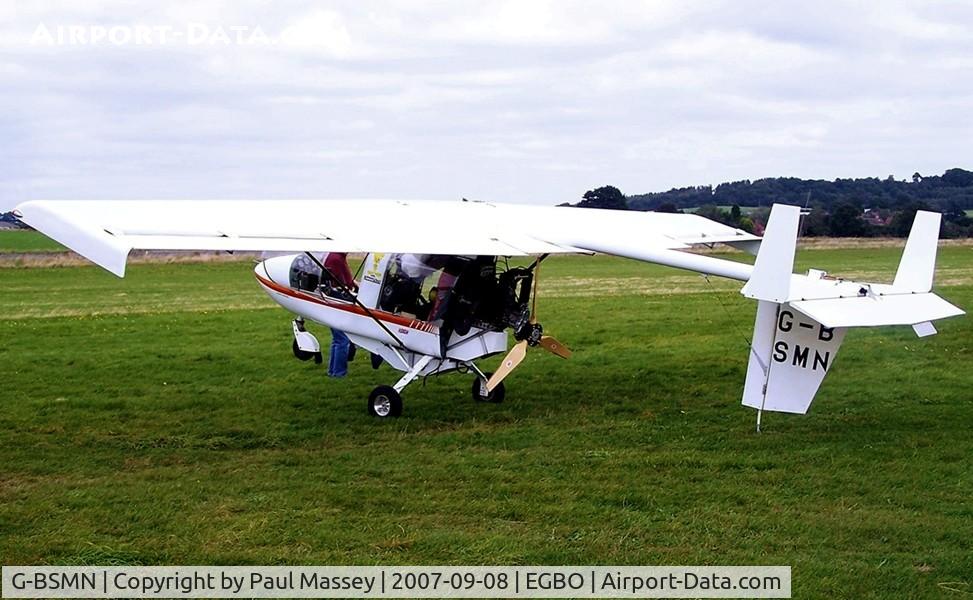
{"x": 384, "y": 402}
{"x": 301, "y": 354}
{"x": 496, "y": 396}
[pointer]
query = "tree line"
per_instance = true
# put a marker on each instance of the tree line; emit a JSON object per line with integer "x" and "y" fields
{"x": 862, "y": 207}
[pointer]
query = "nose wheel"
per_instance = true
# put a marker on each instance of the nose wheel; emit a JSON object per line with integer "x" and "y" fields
{"x": 304, "y": 355}
{"x": 482, "y": 394}
{"x": 384, "y": 402}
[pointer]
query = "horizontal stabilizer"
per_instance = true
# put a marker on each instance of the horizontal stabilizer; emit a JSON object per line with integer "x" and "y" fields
{"x": 872, "y": 311}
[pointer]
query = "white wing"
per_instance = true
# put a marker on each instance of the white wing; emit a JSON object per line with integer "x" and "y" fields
{"x": 106, "y": 231}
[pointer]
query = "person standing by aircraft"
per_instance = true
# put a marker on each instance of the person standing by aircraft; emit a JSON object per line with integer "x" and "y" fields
{"x": 336, "y": 265}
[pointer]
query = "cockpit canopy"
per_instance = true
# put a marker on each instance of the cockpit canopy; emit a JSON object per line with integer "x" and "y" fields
{"x": 305, "y": 274}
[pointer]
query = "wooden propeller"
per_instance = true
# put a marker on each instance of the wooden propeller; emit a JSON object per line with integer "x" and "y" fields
{"x": 519, "y": 351}
{"x": 510, "y": 362}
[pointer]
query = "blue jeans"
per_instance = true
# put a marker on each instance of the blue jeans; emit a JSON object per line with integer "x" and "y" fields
{"x": 338, "y": 361}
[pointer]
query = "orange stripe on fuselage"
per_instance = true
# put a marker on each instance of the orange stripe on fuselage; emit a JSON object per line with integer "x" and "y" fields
{"x": 347, "y": 307}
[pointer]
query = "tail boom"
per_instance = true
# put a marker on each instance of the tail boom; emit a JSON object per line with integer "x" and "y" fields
{"x": 802, "y": 319}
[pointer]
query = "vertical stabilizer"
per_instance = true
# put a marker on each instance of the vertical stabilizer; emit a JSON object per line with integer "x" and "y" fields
{"x": 919, "y": 257}
{"x": 771, "y": 278}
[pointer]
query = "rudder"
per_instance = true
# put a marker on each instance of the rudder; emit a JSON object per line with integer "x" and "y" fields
{"x": 790, "y": 355}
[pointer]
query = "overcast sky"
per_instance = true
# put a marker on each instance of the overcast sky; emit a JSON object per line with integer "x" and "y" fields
{"x": 508, "y": 101}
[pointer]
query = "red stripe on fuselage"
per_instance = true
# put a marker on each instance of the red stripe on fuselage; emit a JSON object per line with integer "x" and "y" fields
{"x": 347, "y": 307}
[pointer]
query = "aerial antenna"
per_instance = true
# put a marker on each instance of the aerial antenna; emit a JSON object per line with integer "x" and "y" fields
{"x": 804, "y": 213}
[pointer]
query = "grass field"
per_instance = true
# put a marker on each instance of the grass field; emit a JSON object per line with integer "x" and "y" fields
{"x": 161, "y": 419}
{"x": 19, "y": 240}
{"x": 746, "y": 210}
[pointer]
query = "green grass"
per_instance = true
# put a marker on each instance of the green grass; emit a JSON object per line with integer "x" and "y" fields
{"x": 19, "y": 240}
{"x": 161, "y": 419}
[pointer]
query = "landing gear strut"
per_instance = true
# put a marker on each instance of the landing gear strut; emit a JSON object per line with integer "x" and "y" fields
{"x": 305, "y": 346}
{"x": 482, "y": 394}
{"x": 386, "y": 401}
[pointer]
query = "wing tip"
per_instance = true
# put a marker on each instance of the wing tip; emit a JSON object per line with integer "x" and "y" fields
{"x": 97, "y": 245}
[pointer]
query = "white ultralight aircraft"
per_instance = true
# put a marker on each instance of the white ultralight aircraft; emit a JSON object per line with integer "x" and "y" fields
{"x": 800, "y": 324}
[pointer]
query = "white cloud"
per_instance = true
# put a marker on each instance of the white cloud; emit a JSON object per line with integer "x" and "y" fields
{"x": 533, "y": 22}
{"x": 320, "y": 29}
{"x": 523, "y": 101}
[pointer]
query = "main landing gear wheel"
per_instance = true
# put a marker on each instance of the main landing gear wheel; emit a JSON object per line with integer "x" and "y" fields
{"x": 384, "y": 402}
{"x": 305, "y": 355}
{"x": 481, "y": 395}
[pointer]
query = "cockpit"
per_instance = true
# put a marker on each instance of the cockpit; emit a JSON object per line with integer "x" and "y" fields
{"x": 458, "y": 292}
{"x": 420, "y": 284}
{"x": 306, "y": 274}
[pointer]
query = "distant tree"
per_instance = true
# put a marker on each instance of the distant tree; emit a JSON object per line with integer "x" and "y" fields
{"x": 954, "y": 230}
{"x": 8, "y": 217}
{"x": 958, "y": 178}
{"x": 846, "y": 221}
{"x": 950, "y": 193}
{"x": 735, "y": 213}
{"x": 607, "y": 196}
{"x": 759, "y": 216}
{"x": 746, "y": 224}
{"x": 688, "y": 197}
{"x": 713, "y": 212}
{"x": 953, "y": 213}
{"x": 902, "y": 220}
{"x": 668, "y": 207}
{"x": 815, "y": 223}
